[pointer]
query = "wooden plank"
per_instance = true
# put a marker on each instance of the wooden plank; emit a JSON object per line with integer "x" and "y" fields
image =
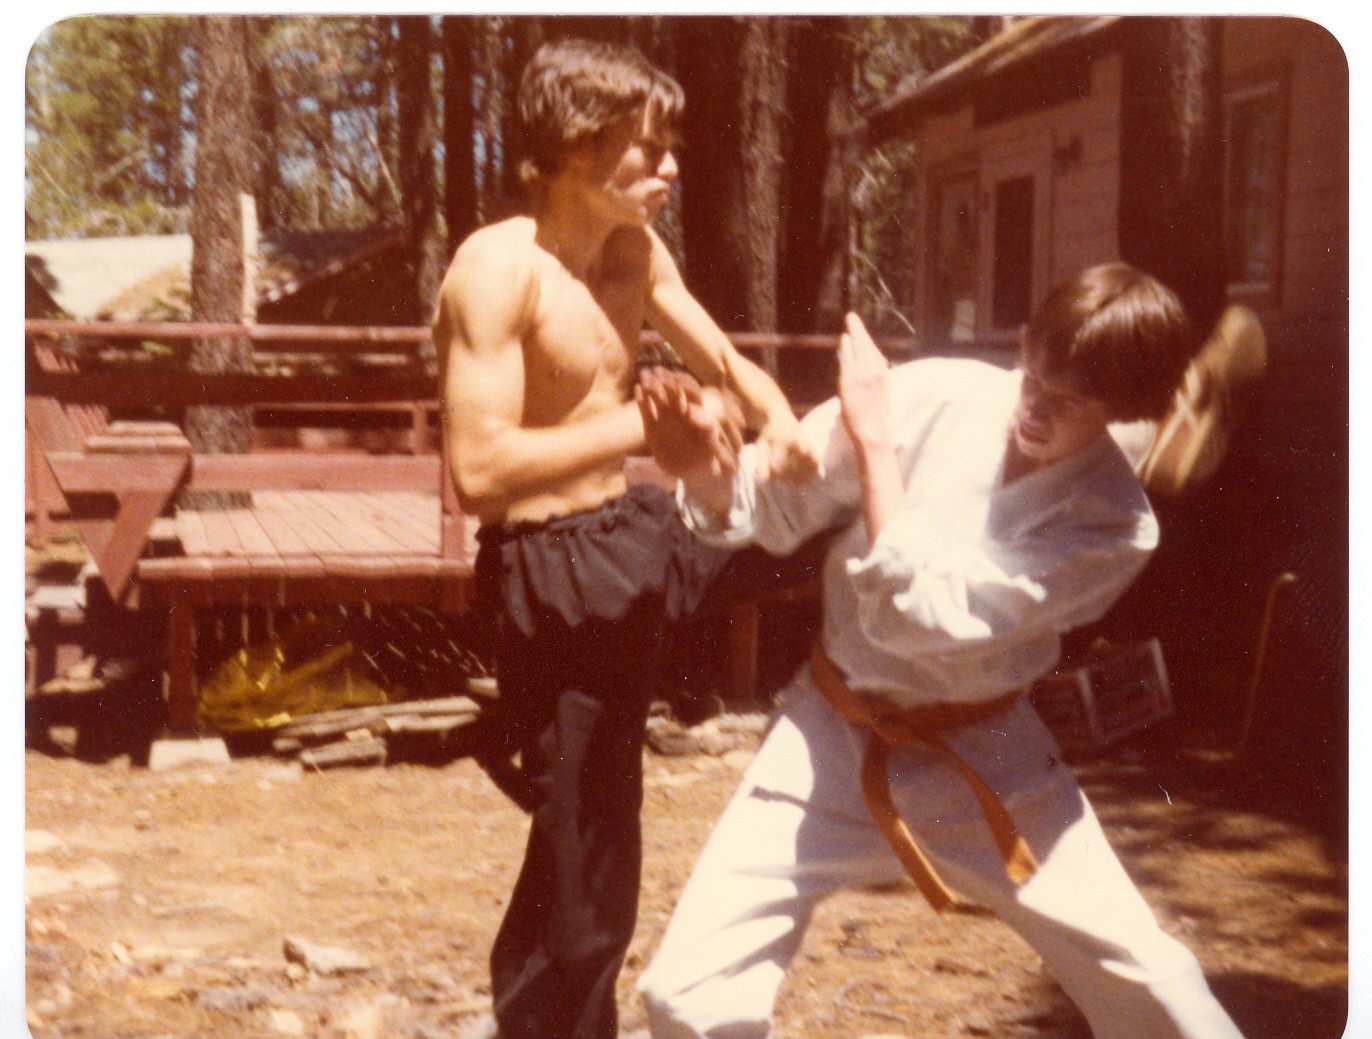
{"x": 419, "y": 533}
{"x": 338, "y": 337}
{"x": 177, "y": 387}
{"x": 312, "y": 506}
{"x": 319, "y": 538}
{"x": 288, "y": 540}
{"x": 118, "y": 555}
{"x": 48, "y": 423}
{"x": 251, "y": 536}
{"x": 80, "y": 473}
{"x": 424, "y": 510}
{"x": 181, "y": 690}
{"x": 190, "y": 529}
{"x": 314, "y": 471}
{"x": 362, "y": 335}
{"x": 220, "y": 534}
{"x": 354, "y": 513}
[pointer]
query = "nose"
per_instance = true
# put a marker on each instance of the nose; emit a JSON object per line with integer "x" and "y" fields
{"x": 667, "y": 168}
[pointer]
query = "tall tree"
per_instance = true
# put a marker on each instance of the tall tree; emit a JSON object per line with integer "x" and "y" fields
{"x": 719, "y": 263}
{"x": 820, "y": 157}
{"x": 106, "y": 123}
{"x": 459, "y": 129}
{"x": 1171, "y": 159}
{"x": 417, "y": 128}
{"x": 222, "y": 176}
{"x": 762, "y": 89}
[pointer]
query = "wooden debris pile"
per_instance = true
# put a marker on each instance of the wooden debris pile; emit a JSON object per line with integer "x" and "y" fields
{"x": 371, "y": 735}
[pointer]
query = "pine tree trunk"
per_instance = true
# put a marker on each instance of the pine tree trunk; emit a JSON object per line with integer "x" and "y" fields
{"x": 813, "y": 286}
{"x": 492, "y": 117}
{"x": 1171, "y": 206}
{"x": 459, "y": 129}
{"x": 223, "y": 172}
{"x": 763, "y": 118}
{"x": 706, "y": 57}
{"x": 418, "y": 183}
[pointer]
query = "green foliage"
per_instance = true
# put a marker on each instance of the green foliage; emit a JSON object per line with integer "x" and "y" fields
{"x": 331, "y": 138}
{"x": 887, "y": 238}
{"x": 106, "y": 112}
{"x": 110, "y": 124}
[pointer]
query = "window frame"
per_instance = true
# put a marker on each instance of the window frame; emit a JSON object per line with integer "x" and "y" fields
{"x": 1270, "y": 81}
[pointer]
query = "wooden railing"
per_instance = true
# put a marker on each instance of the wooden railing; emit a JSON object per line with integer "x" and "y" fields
{"x": 71, "y": 461}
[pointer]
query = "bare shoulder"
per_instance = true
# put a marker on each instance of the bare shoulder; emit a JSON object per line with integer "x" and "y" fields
{"x": 506, "y": 248}
{"x": 494, "y": 272}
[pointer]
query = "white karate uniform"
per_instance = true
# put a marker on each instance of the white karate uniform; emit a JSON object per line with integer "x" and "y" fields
{"x": 962, "y": 598}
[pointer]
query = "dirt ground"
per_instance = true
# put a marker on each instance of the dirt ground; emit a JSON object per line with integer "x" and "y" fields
{"x": 163, "y": 904}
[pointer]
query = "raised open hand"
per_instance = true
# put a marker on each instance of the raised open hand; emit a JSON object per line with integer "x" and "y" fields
{"x": 690, "y": 429}
{"x": 864, "y": 385}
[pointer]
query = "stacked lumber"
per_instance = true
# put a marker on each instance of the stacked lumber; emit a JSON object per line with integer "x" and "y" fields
{"x": 369, "y": 735}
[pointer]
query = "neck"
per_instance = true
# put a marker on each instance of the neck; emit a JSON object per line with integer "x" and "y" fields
{"x": 566, "y": 228}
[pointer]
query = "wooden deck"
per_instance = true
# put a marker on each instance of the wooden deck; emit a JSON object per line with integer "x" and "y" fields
{"x": 302, "y": 547}
{"x": 309, "y": 546}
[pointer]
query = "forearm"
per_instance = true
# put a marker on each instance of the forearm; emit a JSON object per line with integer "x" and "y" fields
{"x": 512, "y": 461}
{"x": 758, "y": 394}
{"x": 882, "y": 486}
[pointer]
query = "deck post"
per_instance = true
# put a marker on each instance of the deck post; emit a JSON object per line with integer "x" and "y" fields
{"x": 181, "y": 691}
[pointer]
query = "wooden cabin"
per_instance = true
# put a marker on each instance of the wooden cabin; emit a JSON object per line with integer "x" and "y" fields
{"x": 1019, "y": 150}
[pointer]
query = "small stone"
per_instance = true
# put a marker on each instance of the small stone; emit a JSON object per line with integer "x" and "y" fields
{"x": 285, "y": 1022}
{"x": 324, "y": 959}
{"x": 41, "y": 842}
{"x": 40, "y": 881}
{"x": 364, "y": 1022}
{"x": 232, "y": 1000}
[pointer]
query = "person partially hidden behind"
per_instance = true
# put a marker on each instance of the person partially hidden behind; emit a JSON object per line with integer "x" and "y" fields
{"x": 982, "y": 513}
{"x": 539, "y": 320}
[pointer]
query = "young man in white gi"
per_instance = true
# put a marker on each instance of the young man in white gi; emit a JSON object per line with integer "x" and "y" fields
{"x": 981, "y": 513}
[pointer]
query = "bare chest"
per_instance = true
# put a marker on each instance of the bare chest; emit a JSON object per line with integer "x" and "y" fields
{"x": 580, "y": 356}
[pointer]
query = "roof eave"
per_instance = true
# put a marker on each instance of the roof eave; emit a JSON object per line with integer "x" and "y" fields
{"x": 949, "y": 86}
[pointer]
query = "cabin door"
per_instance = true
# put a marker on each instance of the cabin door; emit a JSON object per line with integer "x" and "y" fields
{"x": 1014, "y": 242}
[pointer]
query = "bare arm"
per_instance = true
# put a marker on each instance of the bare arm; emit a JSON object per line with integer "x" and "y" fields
{"x": 864, "y": 392}
{"x": 713, "y": 359}
{"x": 484, "y": 312}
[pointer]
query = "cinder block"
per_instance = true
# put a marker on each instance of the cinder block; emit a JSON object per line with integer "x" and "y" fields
{"x": 173, "y": 753}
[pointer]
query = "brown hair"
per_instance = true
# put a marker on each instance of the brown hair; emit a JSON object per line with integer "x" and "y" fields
{"x": 573, "y": 90}
{"x": 1121, "y": 335}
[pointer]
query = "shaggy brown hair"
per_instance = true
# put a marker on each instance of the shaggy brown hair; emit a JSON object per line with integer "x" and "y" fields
{"x": 573, "y": 90}
{"x": 1118, "y": 334}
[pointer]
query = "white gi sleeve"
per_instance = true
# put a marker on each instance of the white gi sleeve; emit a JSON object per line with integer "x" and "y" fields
{"x": 777, "y": 514}
{"x": 923, "y": 589}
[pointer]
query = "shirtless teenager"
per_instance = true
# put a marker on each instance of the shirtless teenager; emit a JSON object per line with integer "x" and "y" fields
{"x": 540, "y": 320}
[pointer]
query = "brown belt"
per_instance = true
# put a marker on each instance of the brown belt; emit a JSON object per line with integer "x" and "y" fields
{"x": 897, "y": 727}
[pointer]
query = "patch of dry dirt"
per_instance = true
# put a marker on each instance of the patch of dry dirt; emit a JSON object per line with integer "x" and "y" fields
{"x": 160, "y": 904}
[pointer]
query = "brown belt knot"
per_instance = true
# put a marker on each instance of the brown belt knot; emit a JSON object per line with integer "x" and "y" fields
{"x": 896, "y": 727}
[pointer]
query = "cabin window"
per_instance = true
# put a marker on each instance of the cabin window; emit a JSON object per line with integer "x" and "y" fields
{"x": 1252, "y": 187}
{"x": 1012, "y": 272}
{"x": 953, "y": 279}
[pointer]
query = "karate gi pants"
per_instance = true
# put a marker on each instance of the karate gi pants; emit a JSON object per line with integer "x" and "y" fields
{"x": 798, "y": 828}
{"x": 585, "y": 604}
